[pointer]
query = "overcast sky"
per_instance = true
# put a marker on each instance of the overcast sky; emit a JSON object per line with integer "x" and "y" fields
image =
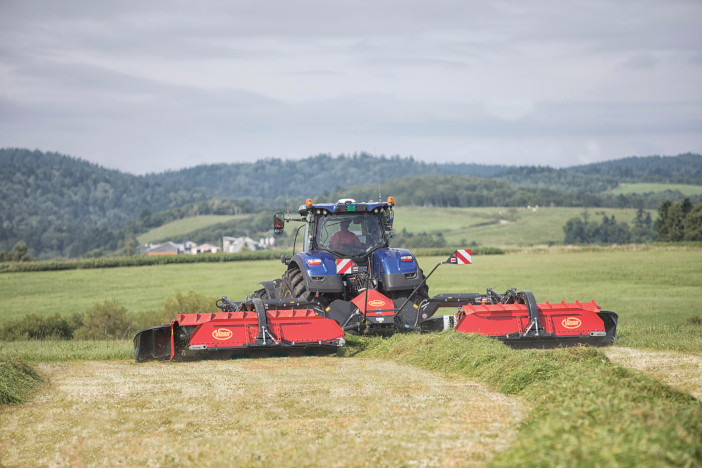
{"x": 145, "y": 86}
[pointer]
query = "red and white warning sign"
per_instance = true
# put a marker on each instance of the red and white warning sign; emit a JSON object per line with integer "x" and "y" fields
{"x": 344, "y": 266}
{"x": 461, "y": 257}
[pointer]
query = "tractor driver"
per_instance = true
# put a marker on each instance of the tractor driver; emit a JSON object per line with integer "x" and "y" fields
{"x": 344, "y": 236}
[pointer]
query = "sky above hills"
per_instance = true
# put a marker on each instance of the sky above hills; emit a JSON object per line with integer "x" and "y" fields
{"x": 149, "y": 86}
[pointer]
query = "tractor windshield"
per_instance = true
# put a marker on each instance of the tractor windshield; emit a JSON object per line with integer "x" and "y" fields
{"x": 349, "y": 234}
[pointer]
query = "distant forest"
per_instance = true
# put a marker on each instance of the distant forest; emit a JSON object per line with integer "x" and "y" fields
{"x": 62, "y": 206}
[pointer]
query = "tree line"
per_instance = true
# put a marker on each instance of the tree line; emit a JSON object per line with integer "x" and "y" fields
{"x": 680, "y": 221}
{"x": 676, "y": 222}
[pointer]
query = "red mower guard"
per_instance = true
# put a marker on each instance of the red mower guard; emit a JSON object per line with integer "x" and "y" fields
{"x": 516, "y": 319}
{"x": 544, "y": 325}
{"x": 246, "y": 328}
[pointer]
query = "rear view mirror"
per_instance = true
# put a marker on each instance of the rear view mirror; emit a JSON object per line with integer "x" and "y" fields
{"x": 278, "y": 224}
{"x": 388, "y": 218}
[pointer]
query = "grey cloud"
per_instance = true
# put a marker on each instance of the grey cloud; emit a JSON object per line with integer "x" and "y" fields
{"x": 150, "y": 85}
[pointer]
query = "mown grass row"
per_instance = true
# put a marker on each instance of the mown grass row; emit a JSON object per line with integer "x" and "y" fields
{"x": 18, "y": 379}
{"x": 585, "y": 410}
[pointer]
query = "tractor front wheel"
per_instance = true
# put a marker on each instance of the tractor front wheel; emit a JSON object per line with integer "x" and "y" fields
{"x": 293, "y": 286}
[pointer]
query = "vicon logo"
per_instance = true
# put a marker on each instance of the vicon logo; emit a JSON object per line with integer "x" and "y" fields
{"x": 376, "y": 303}
{"x": 221, "y": 334}
{"x": 571, "y": 322}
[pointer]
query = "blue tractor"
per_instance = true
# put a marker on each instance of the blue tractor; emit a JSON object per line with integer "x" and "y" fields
{"x": 348, "y": 272}
{"x": 348, "y": 269}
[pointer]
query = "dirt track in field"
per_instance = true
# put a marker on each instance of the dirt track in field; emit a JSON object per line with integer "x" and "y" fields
{"x": 682, "y": 371}
{"x": 265, "y": 412}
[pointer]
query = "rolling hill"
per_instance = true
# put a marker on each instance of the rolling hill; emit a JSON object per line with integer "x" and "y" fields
{"x": 66, "y": 207}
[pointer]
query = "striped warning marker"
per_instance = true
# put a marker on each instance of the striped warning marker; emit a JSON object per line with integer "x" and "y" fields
{"x": 463, "y": 257}
{"x": 344, "y": 266}
{"x": 460, "y": 257}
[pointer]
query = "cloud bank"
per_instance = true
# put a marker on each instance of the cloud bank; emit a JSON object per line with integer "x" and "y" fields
{"x": 149, "y": 86}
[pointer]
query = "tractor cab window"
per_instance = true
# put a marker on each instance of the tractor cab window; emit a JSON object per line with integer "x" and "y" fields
{"x": 349, "y": 234}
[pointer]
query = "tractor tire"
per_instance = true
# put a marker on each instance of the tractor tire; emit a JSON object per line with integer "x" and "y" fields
{"x": 293, "y": 286}
{"x": 259, "y": 294}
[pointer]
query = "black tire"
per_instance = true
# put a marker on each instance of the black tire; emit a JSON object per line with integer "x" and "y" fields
{"x": 259, "y": 294}
{"x": 293, "y": 286}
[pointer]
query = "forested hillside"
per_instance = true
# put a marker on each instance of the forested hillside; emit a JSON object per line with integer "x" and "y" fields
{"x": 603, "y": 176}
{"x": 66, "y": 207}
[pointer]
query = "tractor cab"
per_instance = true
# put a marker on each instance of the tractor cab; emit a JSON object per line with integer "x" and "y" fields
{"x": 345, "y": 229}
{"x": 345, "y": 251}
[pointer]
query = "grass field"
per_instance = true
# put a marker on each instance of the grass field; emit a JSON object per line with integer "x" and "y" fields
{"x": 499, "y": 227}
{"x": 428, "y": 400}
{"x": 656, "y": 291}
{"x": 175, "y": 230}
{"x": 626, "y": 189}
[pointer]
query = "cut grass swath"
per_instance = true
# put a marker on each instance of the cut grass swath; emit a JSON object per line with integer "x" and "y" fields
{"x": 18, "y": 380}
{"x": 586, "y": 411}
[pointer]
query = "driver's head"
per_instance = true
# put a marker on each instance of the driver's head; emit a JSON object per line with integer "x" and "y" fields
{"x": 345, "y": 223}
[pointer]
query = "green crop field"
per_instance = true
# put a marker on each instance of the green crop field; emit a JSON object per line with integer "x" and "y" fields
{"x": 175, "y": 230}
{"x": 499, "y": 227}
{"x": 626, "y": 189}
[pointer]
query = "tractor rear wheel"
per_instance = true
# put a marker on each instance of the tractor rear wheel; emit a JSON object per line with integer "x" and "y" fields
{"x": 293, "y": 286}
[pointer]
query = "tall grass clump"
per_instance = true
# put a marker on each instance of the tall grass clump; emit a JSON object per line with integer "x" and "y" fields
{"x": 17, "y": 380}
{"x": 585, "y": 411}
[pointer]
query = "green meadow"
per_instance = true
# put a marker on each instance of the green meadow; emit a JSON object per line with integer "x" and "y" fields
{"x": 176, "y": 229}
{"x": 499, "y": 226}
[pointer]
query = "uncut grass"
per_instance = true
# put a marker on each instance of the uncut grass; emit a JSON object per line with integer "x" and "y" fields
{"x": 272, "y": 412}
{"x": 586, "y": 411}
{"x": 138, "y": 289}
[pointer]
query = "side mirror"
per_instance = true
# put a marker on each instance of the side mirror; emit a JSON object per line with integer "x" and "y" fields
{"x": 388, "y": 218}
{"x": 278, "y": 224}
